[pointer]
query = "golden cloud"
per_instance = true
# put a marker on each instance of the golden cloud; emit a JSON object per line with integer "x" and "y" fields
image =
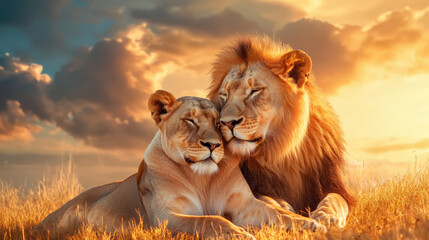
{"x": 14, "y": 124}
{"x": 395, "y": 43}
{"x": 383, "y": 148}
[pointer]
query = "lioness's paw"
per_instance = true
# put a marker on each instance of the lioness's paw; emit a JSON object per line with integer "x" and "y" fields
{"x": 240, "y": 232}
{"x": 229, "y": 230}
{"x": 285, "y": 205}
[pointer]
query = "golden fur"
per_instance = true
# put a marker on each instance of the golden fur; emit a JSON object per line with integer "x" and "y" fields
{"x": 274, "y": 117}
{"x": 212, "y": 199}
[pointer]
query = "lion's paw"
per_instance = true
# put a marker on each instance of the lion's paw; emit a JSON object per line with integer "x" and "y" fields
{"x": 332, "y": 210}
{"x": 305, "y": 224}
{"x": 314, "y": 226}
{"x": 329, "y": 219}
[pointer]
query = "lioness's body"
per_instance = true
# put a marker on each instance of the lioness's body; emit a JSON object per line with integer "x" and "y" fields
{"x": 211, "y": 202}
{"x": 113, "y": 206}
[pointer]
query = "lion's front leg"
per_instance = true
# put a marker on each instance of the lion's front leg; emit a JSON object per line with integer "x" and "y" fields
{"x": 333, "y": 209}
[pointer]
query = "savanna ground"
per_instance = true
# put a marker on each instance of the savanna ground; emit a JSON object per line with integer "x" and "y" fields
{"x": 394, "y": 209}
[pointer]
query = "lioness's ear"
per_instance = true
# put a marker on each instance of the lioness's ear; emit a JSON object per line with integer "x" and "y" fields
{"x": 160, "y": 103}
{"x": 295, "y": 64}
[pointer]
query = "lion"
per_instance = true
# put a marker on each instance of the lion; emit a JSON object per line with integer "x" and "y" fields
{"x": 184, "y": 179}
{"x": 187, "y": 180}
{"x": 287, "y": 135}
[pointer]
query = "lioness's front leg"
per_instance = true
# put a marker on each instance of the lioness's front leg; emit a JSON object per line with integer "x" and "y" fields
{"x": 182, "y": 215}
{"x": 257, "y": 212}
{"x": 333, "y": 209}
{"x": 207, "y": 226}
{"x": 277, "y": 202}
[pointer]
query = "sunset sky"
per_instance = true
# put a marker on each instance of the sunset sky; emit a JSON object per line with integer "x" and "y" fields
{"x": 75, "y": 75}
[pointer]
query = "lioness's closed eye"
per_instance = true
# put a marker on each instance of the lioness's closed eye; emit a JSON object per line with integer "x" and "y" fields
{"x": 185, "y": 178}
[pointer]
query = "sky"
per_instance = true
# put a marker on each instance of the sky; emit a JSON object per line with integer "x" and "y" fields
{"x": 75, "y": 75}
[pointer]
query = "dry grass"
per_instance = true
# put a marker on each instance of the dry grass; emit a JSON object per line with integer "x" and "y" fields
{"x": 396, "y": 209}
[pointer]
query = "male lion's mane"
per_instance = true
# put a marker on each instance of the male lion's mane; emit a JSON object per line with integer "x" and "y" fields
{"x": 313, "y": 169}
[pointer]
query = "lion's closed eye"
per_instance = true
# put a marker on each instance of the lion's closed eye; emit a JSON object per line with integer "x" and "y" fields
{"x": 255, "y": 92}
{"x": 190, "y": 122}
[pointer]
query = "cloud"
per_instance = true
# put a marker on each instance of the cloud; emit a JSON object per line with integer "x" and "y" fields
{"x": 110, "y": 76}
{"x": 100, "y": 96}
{"x": 219, "y": 18}
{"x": 25, "y": 83}
{"x": 383, "y": 148}
{"x": 354, "y": 12}
{"x": 22, "y": 101}
{"x": 227, "y": 22}
{"x": 395, "y": 43}
{"x": 38, "y": 20}
{"x": 21, "y": 12}
{"x": 14, "y": 124}
{"x": 186, "y": 55}
{"x": 103, "y": 93}
{"x": 333, "y": 63}
{"x": 396, "y": 40}
{"x": 269, "y": 15}
{"x": 55, "y": 28}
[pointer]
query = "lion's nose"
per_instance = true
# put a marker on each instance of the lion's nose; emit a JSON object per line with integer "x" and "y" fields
{"x": 232, "y": 124}
{"x": 210, "y": 146}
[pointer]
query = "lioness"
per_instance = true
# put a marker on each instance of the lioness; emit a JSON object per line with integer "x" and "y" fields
{"x": 185, "y": 181}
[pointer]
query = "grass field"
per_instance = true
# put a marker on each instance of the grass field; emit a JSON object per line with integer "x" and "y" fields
{"x": 393, "y": 209}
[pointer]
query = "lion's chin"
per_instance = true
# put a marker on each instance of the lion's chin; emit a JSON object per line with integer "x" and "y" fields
{"x": 242, "y": 147}
{"x": 204, "y": 167}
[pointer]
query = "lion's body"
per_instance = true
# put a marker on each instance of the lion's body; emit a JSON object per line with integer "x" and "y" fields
{"x": 298, "y": 154}
{"x": 305, "y": 176}
{"x": 113, "y": 206}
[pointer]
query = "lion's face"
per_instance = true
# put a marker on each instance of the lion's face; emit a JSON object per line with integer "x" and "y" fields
{"x": 248, "y": 107}
{"x": 189, "y": 133}
{"x": 258, "y": 104}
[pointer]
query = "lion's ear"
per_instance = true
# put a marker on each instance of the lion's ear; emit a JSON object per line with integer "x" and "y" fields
{"x": 295, "y": 64}
{"x": 160, "y": 103}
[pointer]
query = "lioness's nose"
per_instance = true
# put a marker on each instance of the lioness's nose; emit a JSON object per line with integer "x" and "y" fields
{"x": 233, "y": 123}
{"x": 210, "y": 146}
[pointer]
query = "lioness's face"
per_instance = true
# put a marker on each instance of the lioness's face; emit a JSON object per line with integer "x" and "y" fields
{"x": 250, "y": 100}
{"x": 189, "y": 134}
